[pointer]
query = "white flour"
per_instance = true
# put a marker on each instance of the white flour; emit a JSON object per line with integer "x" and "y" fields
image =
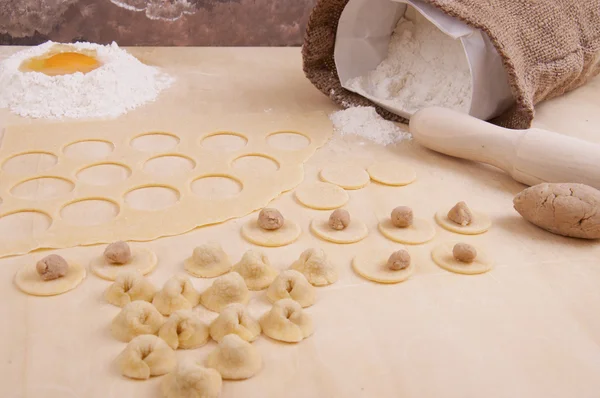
{"x": 424, "y": 67}
{"x": 365, "y": 122}
{"x": 122, "y": 83}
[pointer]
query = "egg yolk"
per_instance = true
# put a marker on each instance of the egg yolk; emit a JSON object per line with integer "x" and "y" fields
{"x": 63, "y": 63}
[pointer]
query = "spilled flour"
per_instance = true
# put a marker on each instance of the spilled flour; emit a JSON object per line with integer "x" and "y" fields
{"x": 365, "y": 122}
{"x": 424, "y": 67}
{"x": 119, "y": 85}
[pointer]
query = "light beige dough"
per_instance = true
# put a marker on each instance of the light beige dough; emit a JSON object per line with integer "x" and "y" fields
{"x": 235, "y": 319}
{"x": 292, "y": 284}
{"x": 136, "y": 318}
{"x": 392, "y": 173}
{"x": 321, "y": 195}
{"x": 178, "y": 293}
{"x": 190, "y": 380}
{"x": 235, "y": 358}
{"x": 29, "y": 281}
{"x": 419, "y": 232}
{"x": 287, "y": 234}
{"x": 481, "y": 223}
{"x": 287, "y": 322}
{"x": 129, "y": 286}
{"x": 348, "y": 176}
{"x": 256, "y": 270}
{"x": 184, "y": 329}
{"x": 208, "y": 261}
{"x": 442, "y": 255}
{"x": 227, "y": 289}
{"x": 354, "y": 232}
{"x": 146, "y": 356}
{"x": 143, "y": 261}
{"x": 372, "y": 265}
{"x": 316, "y": 267}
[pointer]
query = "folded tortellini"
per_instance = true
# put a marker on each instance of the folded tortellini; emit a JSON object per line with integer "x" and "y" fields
{"x": 129, "y": 286}
{"x": 235, "y": 319}
{"x": 293, "y": 285}
{"x": 227, "y": 289}
{"x": 184, "y": 329}
{"x": 136, "y": 318}
{"x": 190, "y": 380}
{"x": 146, "y": 355}
{"x": 287, "y": 322}
{"x": 315, "y": 266}
{"x": 208, "y": 261}
{"x": 178, "y": 293}
{"x": 235, "y": 359}
{"x": 256, "y": 270}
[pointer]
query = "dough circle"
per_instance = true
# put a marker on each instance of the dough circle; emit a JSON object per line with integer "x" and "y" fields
{"x": 288, "y": 233}
{"x": 372, "y": 265}
{"x": 354, "y": 232}
{"x": 392, "y": 173}
{"x": 442, "y": 256}
{"x": 142, "y": 261}
{"x": 28, "y": 280}
{"x": 481, "y": 223}
{"x": 419, "y": 232}
{"x": 347, "y": 176}
{"x": 322, "y": 196}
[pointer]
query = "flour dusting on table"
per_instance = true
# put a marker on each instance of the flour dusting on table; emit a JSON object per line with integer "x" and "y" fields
{"x": 121, "y": 84}
{"x": 364, "y": 121}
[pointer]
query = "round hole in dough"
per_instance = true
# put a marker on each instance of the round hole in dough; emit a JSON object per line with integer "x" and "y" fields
{"x": 442, "y": 255}
{"x": 104, "y": 173}
{"x": 152, "y": 197}
{"x": 347, "y": 176}
{"x": 288, "y": 140}
{"x": 256, "y": 163}
{"x": 481, "y": 223}
{"x": 392, "y": 173}
{"x": 24, "y": 225}
{"x": 42, "y": 188}
{"x": 216, "y": 186}
{"x": 288, "y": 233}
{"x": 142, "y": 261}
{"x": 169, "y": 165}
{"x": 372, "y": 265}
{"x": 321, "y": 196}
{"x": 354, "y": 232}
{"x": 89, "y": 149}
{"x": 420, "y": 231}
{"x": 155, "y": 141}
{"x": 28, "y": 280}
{"x": 93, "y": 211}
{"x": 224, "y": 141}
{"x": 29, "y": 162}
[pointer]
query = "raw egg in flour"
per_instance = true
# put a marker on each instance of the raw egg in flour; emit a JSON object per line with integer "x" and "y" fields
{"x": 62, "y": 60}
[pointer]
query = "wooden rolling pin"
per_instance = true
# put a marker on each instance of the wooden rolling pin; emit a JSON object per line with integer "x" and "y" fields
{"x": 530, "y": 156}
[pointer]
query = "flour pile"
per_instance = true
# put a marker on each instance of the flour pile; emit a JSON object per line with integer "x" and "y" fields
{"x": 121, "y": 84}
{"x": 424, "y": 67}
{"x": 365, "y": 122}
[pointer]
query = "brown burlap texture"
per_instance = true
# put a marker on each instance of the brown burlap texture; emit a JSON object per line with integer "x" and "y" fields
{"x": 548, "y": 47}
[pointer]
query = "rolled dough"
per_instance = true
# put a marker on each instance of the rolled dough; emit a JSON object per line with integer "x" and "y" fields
{"x": 442, "y": 256}
{"x": 142, "y": 261}
{"x": 420, "y": 231}
{"x": 481, "y": 223}
{"x": 354, "y": 232}
{"x": 288, "y": 233}
{"x": 372, "y": 265}
{"x": 347, "y": 176}
{"x": 28, "y": 280}
{"x": 321, "y": 195}
{"x": 392, "y": 173}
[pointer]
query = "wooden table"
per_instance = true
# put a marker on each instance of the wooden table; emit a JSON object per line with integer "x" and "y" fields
{"x": 529, "y": 328}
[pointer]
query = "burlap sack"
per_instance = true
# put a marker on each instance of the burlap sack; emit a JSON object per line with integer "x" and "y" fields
{"x": 548, "y": 47}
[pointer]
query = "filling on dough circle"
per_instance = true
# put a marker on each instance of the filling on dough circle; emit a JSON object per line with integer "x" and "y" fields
{"x": 30, "y": 281}
{"x": 392, "y": 173}
{"x": 347, "y": 176}
{"x": 321, "y": 195}
{"x": 373, "y": 265}
{"x": 288, "y": 233}
{"x": 443, "y": 255}
{"x": 462, "y": 220}
{"x": 354, "y": 232}
{"x": 142, "y": 260}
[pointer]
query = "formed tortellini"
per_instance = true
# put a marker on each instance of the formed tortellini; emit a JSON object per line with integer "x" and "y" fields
{"x": 293, "y": 285}
{"x": 190, "y": 380}
{"x": 208, "y": 261}
{"x": 235, "y": 319}
{"x": 184, "y": 329}
{"x": 178, "y": 293}
{"x": 227, "y": 289}
{"x": 256, "y": 270}
{"x": 146, "y": 355}
{"x": 136, "y": 318}
{"x": 235, "y": 358}
{"x": 287, "y": 322}
{"x": 315, "y": 266}
{"x": 129, "y": 286}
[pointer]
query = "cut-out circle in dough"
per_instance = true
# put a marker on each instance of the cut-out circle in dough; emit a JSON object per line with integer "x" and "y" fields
{"x": 372, "y": 265}
{"x": 347, "y": 176}
{"x": 420, "y": 231}
{"x": 42, "y": 188}
{"x": 354, "y": 232}
{"x": 216, "y": 187}
{"x": 442, "y": 255}
{"x": 28, "y": 280}
{"x": 481, "y": 223}
{"x": 392, "y": 173}
{"x": 89, "y": 149}
{"x": 288, "y": 141}
{"x": 30, "y": 162}
{"x": 104, "y": 173}
{"x": 288, "y": 233}
{"x": 142, "y": 261}
{"x": 89, "y": 212}
{"x": 152, "y": 198}
{"x": 169, "y": 165}
{"x": 256, "y": 162}
{"x": 154, "y": 142}
{"x": 23, "y": 225}
{"x": 224, "y": 141}
{"x": 322, "y": 195}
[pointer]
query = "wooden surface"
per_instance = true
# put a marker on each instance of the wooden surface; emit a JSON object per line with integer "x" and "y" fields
{"x": 528, "y": 328}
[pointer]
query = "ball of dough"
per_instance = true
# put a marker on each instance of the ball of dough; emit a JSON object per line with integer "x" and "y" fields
{"x": 256, "y": 270}
{"x": 52, "y": 267}
{"x": 184, "y": 329}
{"x": 145, "y": 356}
{"x": 292, "y": 284}
{"x": 227, "y": 289}
{"x": 129, "y": 286}
{"x": 178, "y": 293}
{"x": 286, "y": 321}
{"x": 402, "y": 217}
{"x": 208, "y": 261}
{"x": 315, "y": 266}
{"x": 460, "y": 214}
{"x": 235, "y": 319}
{"x": 235, "y": 359}
{"x": 190, "y": 380}
{"x": 464, "y": 252}
{"x": 270, "y": 219}
{"x": 118, "y": 253}
{"x": 136, "y": 318}
{"x": 339, "y": 219}
{"x": 398, "y": 260}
